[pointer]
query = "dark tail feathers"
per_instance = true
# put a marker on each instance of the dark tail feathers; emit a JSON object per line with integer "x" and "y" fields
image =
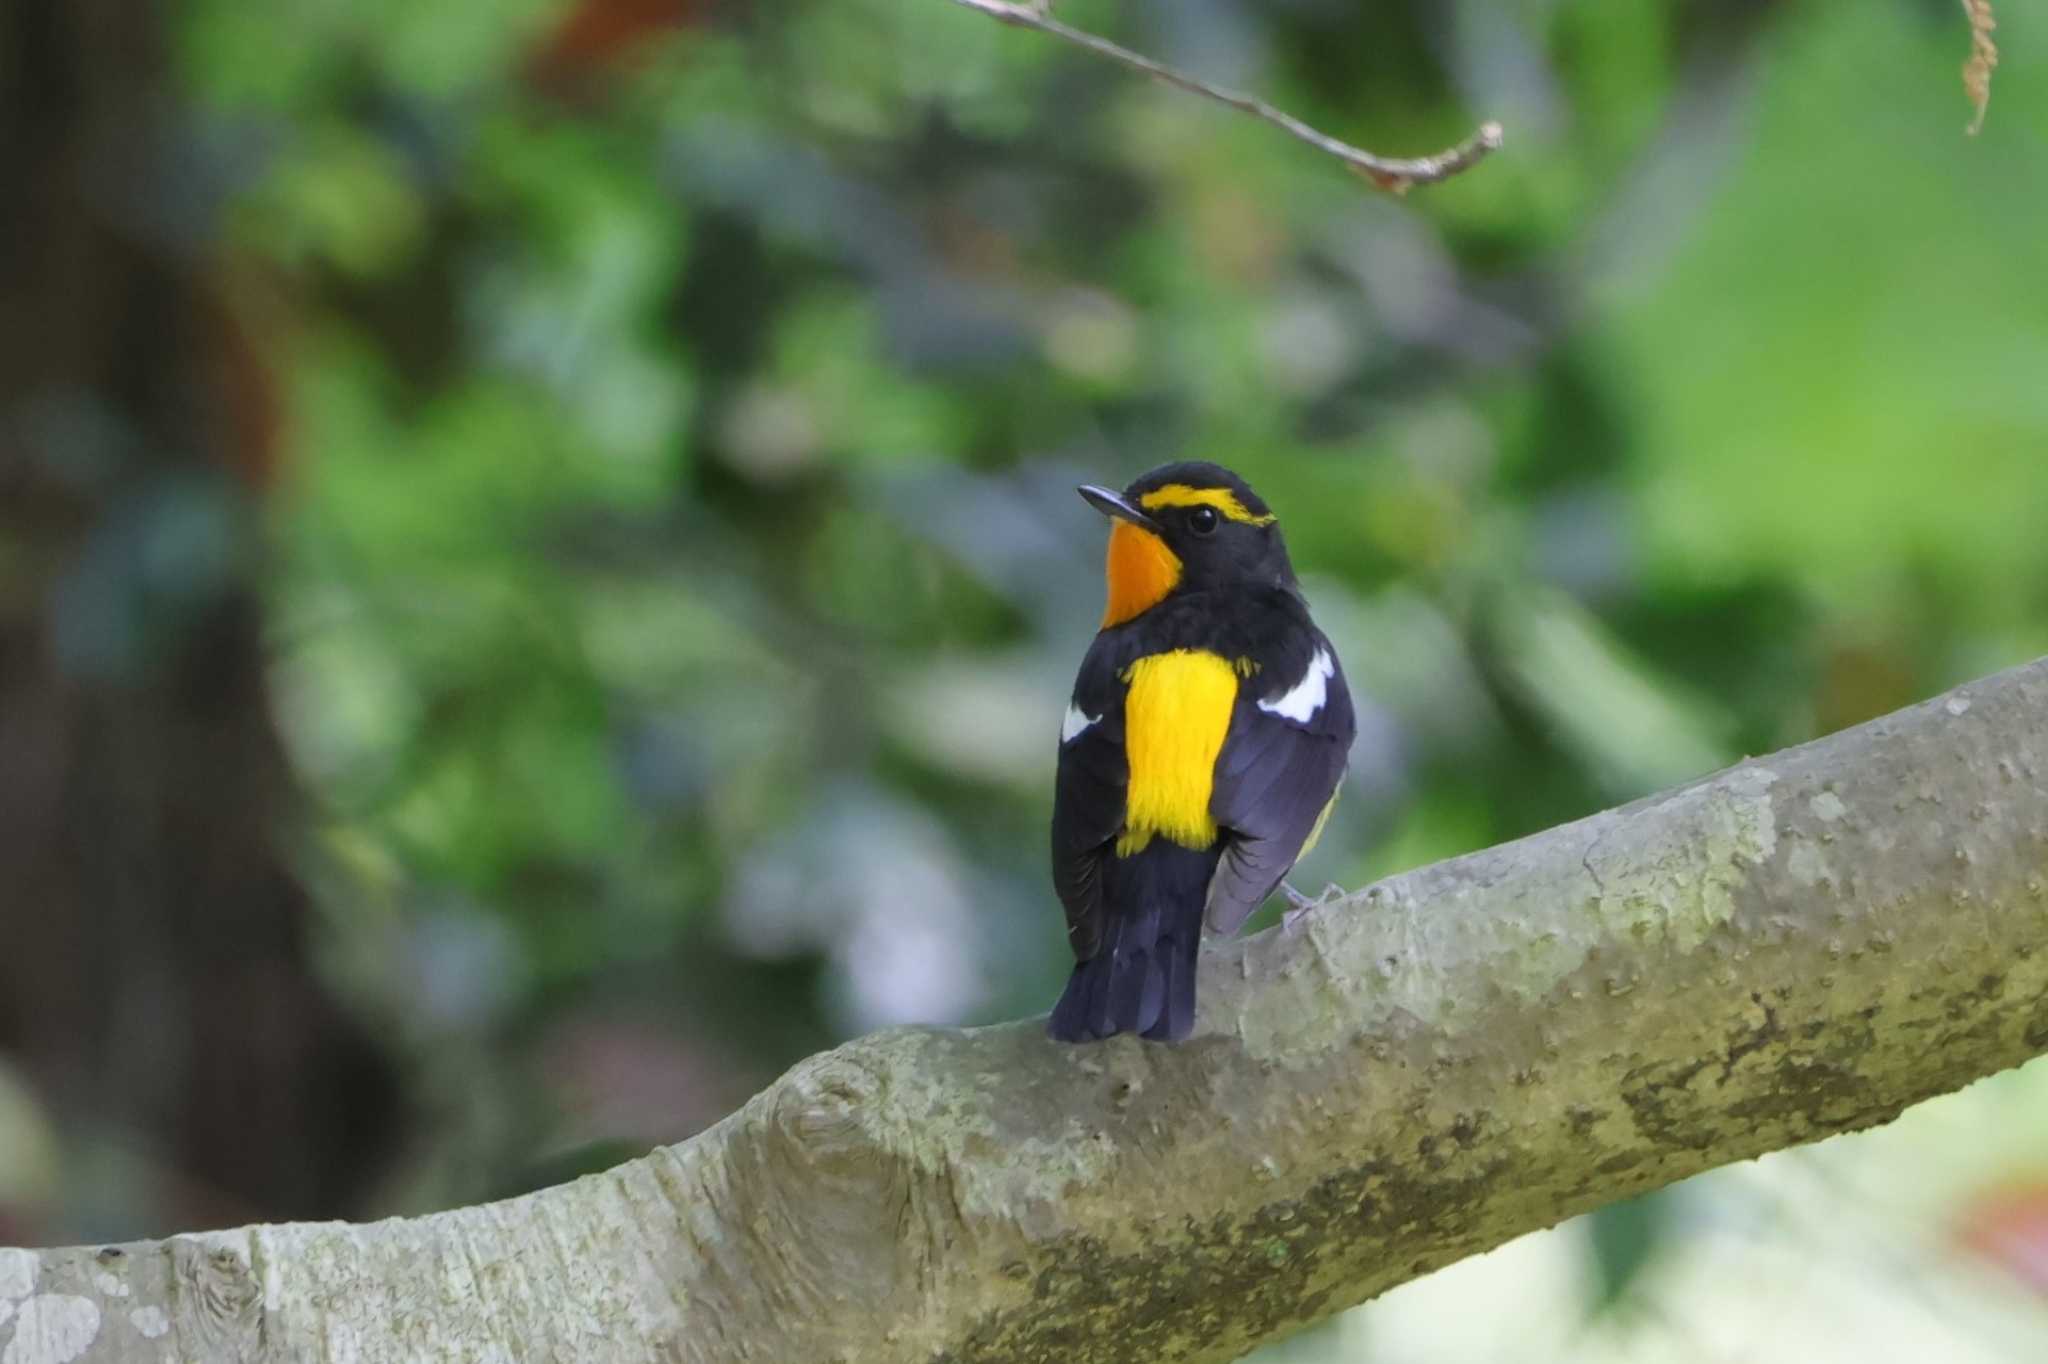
{"x": 1148, "y": 990}
{"x": 1142, "y": 979}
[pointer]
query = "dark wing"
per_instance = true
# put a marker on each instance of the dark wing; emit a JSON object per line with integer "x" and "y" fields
{"x": 1276, "y": 776}
{"x": 1088, "y": 796}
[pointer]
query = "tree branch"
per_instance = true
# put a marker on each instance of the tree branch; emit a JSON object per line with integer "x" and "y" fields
{"x": 1800, "y": 945}
{"x": 1388, "y": 172}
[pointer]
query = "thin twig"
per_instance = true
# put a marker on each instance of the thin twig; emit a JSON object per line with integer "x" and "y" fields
{"x": 1388, "y": 172}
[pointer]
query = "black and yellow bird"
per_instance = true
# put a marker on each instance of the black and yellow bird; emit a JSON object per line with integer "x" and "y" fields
{"x": 1201, "y": 753}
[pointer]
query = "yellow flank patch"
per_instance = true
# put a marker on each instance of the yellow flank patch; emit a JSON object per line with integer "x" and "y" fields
{"x": 1141, "y": 571}
{"x": 1308, "y": 845}
{"x": 1176, "y": 715}
{"x": 1222, "y": 499}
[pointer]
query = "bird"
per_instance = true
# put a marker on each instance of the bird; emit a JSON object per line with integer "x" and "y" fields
{"x": 1202, "y": 749}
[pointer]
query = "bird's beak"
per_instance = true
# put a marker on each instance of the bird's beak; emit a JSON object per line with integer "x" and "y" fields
{"x": 1111, "y": 503}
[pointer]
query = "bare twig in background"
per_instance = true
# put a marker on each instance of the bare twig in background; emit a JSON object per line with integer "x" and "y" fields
{"x": 1983, "y": 58}
{"x": 1388, "y": 172}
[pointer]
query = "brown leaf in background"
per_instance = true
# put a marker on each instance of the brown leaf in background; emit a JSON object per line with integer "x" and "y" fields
{"x": 594, "y": 36}
{"x": 1983, "y": 59}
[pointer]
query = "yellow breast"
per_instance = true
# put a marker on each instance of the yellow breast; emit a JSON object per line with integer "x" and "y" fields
{"x": 1176, "y": 716}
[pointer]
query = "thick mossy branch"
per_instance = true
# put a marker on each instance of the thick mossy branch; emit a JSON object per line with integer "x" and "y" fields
{"x": 1800, "y": 945}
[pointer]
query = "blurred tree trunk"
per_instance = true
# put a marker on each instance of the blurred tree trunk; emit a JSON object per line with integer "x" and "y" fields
{"x": 155, "y": 982}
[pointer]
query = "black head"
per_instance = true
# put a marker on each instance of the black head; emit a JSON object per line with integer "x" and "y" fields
{"x": 1187, "y": 527}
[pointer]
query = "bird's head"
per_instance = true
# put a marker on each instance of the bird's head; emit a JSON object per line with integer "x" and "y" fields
{"x": 1188, "y": 527}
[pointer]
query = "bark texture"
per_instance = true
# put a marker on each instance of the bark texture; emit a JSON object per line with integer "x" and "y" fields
{"x": 1800, "y": 945}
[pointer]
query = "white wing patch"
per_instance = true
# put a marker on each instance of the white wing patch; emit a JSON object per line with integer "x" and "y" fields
{"x": 1301, "y": 701}
{"x": 1075, "y": 724}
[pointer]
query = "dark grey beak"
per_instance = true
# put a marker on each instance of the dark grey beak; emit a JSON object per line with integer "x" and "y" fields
{"x": 1112, "y": 503}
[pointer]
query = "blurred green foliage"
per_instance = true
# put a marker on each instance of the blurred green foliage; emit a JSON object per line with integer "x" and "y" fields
{"x": 677, "y": 578}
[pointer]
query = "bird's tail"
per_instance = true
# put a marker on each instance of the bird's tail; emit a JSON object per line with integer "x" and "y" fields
{"x": 1142, "y": 979}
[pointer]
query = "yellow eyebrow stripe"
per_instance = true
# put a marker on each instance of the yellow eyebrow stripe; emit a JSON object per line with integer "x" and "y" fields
{"x": 1222, "y": 499}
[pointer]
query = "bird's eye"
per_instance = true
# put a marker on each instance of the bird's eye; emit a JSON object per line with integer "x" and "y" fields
{"x": 1202, "y": 520}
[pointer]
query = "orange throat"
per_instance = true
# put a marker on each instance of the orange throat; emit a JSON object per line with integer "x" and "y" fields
{"x": 1141, "y": 571}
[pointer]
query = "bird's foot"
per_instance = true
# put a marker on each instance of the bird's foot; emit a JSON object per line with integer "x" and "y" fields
{"x": 1299, "y": 904}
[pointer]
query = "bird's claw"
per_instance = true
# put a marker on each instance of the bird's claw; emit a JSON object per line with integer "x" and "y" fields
{"x": 1299, "y": 905}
